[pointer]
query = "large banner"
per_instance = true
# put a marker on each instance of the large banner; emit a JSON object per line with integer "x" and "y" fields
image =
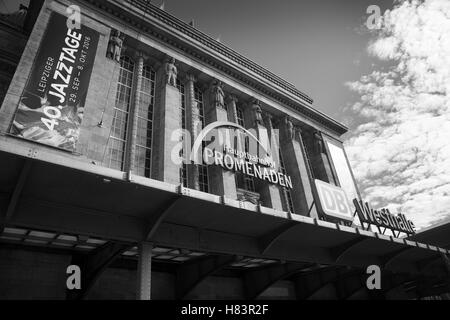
{"x": 51, "y": 107}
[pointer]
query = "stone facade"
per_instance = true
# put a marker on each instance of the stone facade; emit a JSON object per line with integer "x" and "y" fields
{"x": 95, "y": 133}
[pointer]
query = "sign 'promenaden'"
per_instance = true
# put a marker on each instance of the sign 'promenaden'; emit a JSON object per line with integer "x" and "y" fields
{"x": 248, "y": 164}
{"x": 223, "y": 144}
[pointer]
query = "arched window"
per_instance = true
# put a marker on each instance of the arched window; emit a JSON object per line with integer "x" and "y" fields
{"x": 114, "y": 157}
{"x": 144, "y": 136}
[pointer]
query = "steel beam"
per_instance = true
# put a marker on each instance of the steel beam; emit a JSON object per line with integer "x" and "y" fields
{"x": 266, "y": 241}
{"x": 339, "y": 251}
{"x": 389, "y": 258}
{"x": 17, "y": 192}
{"x": 394, "y": 281}
{"x": 93, "y": 264}
{"x": 348, "y": 285}
{"x": 306, "y": 284}
{"x": 258, "y": 280}
{"x": 155, "y": 220}
{"x": 191, "y": 273}
{"x": 424, "y": 264}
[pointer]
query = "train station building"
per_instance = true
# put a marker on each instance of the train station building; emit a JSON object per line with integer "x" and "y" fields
{"x": 168, "y": 166}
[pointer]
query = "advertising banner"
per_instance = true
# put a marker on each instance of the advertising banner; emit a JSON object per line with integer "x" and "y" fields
{"x": 52, "y": 104}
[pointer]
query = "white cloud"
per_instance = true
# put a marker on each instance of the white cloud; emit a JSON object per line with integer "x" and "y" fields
{"x": 401, "y": 152}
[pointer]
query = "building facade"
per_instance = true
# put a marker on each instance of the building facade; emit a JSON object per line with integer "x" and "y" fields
{"x": 99, "y": 121}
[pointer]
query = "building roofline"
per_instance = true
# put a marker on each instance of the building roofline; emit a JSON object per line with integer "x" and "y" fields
{"x": 219, "y": 47}
{"x": 291, "y": 96}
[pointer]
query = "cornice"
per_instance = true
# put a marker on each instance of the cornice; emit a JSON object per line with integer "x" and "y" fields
{"x": 165, "y": 36}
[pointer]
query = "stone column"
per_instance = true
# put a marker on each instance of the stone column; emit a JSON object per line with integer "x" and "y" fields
{"x": 232, "y": 108}
{"x": 193, "y": 125}
{"x": 222, "y": 182}
{"x": 144, "y": 272}
{"x": 130, "y": 157}
{"x": 167, "y": 119}
{"x": 273, "y": 138}
{"x": 295, "y": 164}
{"x": 270, "y": 193}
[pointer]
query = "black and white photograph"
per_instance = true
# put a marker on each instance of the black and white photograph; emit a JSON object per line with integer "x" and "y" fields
{"x": 231, "y": 158}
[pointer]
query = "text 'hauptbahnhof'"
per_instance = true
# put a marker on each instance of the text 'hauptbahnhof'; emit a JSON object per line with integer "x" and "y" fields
{"x": 154, "y": 162}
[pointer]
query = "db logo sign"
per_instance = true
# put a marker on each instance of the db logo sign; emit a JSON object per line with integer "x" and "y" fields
{"x": 333, "y": 201}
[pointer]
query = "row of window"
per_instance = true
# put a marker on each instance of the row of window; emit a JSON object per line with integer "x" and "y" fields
{"x": 117, "y": 143}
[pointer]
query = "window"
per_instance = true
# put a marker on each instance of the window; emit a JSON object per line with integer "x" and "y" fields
{"x": 244, "y": 181}
{"x": 144, "y": 111}
{"x": 183, "y": 169}
{"x": 240, "y": 117}
{"x": 308, "y": 156}
{"x": 180, "y": 87}
{"x": 287, "y": 195}
{"x": 203, "y": 178}
{"x": 198, "y": 98}
{"x": 202, "y": 169}
{"x": 117, "y": 139}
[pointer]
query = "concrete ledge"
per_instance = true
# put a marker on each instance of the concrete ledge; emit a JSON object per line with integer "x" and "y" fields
{"x": 239, "y": 204}
{"x": 199, "y": 195}
{"x": 383, "y": 237}
{"x": 325, "y": 224}
{"x": 442, "y": 250}
{"x": 398, "y": 240}
{"x": 152, "y": 183}
{"x": 303, "y": 219}
{"x": 422, "y": 245}
{"x": 410, "y": 243}
{"x": 366, "y": 233}
{"x": 347, "y": 229}
{"x": 39, "y": 152}
{"x": 273, "y": 212}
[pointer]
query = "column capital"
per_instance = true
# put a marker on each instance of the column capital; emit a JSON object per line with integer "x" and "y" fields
{"x": 276, "y": 121}
{"x": 268, "y": 117}
{"x": 255, "y": 102}
{"x": 190, "y": 78}
{"x": 140, "y": 55}
{"x": 231, "y": 98}
{"x": 318, "y": 141}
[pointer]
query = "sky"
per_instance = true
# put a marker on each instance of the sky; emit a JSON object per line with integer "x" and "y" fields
{"x": 391, "y": 85}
